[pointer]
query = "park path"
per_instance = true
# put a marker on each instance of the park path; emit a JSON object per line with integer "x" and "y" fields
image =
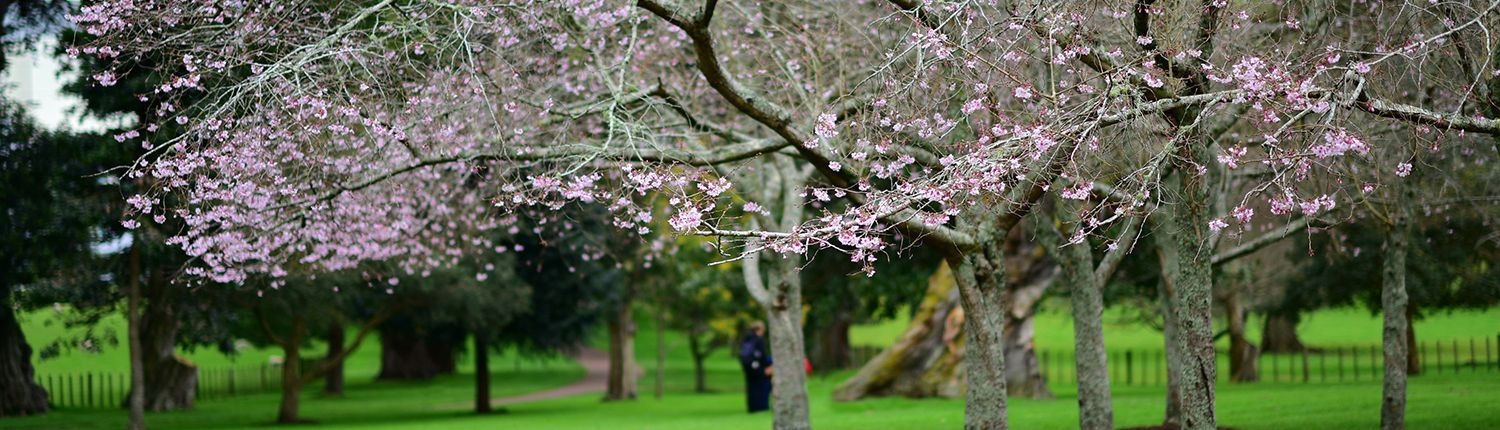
{"x": 595, "y": 380}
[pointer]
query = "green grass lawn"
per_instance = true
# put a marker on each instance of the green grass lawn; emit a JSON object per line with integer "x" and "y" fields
{"x": 1436, "y": 401}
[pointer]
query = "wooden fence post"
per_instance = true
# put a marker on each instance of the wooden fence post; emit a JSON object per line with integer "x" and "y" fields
{"x": 1129, "y": 367}
{"x": 1305, "y": 376}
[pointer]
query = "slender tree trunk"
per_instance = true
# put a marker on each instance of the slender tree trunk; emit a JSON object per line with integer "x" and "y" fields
{"x": 1242, "y": 354}
{"x": 661, "y": 354}
{"x": 622, "y": 383}
{"x": 784, "y": 316}
{"x": 1169, "y": 330}
{"x": 1095, "y": 407}
{"x": 333, "y": 383}
{"x": 981, "y": 285}
{"x": 20, "y": 395}
{"x": 481, "y": 374}
{"x": 137, "y": 420}
{"x": 700, "y": 378}
{"x": 1394, "y": 305}
{"x": 1413, "y": 357}
{"x": 1187, "y": 254}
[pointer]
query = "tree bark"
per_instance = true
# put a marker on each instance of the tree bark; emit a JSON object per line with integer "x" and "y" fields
{"x": 981, "y": 285}
{"x": 20, "y": 395}
{"x": 333, "y": 382}
{"x": 1394, "y": 305}
{"x": 1095, "y": 406}
{"x": 622, "y": 382}
{"x": 1242, "y": 354}
{"x": 481, "y": 374}
{"x": 784, "y": 316}
{"x": 1280, "y": 334}
{"x": 1187, "y": 253}
{"x": 171, "y": 380}
{"x": 137, "y": 420}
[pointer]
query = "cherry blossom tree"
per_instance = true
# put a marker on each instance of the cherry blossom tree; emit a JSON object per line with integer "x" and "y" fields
{"x": 328, "y": 134}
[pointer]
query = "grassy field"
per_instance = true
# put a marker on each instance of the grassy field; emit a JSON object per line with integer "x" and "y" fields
{"x": 1437, "y": 401}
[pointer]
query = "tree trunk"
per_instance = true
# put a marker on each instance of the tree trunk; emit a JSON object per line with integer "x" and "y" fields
{"x": 291, "y": 382}
{"x": 622, "y": 383}
{"x": 832, "y": 350}
{"x": 1413, "y": 357}
{"x": 784, "y": 321}
{"x": 1023, "y": 371}
{"x": 1394, "y": 305}
{"x": 1186, "y": 253}
{"x": 981, "y": 286}
{"x": 333, "y": 383}
{"x": 406, "y": 354}
{"x": 700, "y": 378}
{"x": 1280, "y": 334}
{"x": 927, "y": 360}
{"x": 20, "y": 395}
{"x": 171, "y": 380}
{"x": 1242, "y": 354}
{"x": 481, "y": 374}
{"x": 137, "y": 420}
{"x": 1169, "y": 328}
{"x": 1095, "y": 406}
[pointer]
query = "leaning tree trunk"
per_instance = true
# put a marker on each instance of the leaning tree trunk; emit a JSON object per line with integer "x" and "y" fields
{"x": 927, "y": 361}
{"x": 20, "y": 395}
{"x": 1394, "y": 305}
{"x": 1242, "y": 353}
{"x": 1280, "y": 334}
{"x": 333, "y": 383}
{"x": 171, "y": 380}
{"x": 622, "y": 383}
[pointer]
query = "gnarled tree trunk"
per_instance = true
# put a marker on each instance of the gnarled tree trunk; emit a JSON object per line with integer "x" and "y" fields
{"x": 171, "y": 380}
{"x": 20, "y": 395}
{"x": 1280, "y": 334}
{"x": 406, "y": 354}
{"x": 1243, "y": 355}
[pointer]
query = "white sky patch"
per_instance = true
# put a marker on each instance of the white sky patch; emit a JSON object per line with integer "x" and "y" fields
{"x": 35, "y": 79}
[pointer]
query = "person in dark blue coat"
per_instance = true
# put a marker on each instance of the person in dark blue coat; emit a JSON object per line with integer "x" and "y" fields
{"x": 755, "y": 361}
